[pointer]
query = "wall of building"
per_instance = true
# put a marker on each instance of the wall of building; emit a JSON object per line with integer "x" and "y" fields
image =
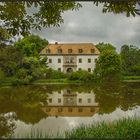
{"x": 85, "y": 65}
{"x": 54, "y": 64}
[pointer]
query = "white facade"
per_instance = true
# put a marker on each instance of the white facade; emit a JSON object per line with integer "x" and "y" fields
{"x": 85, "y": 65}
{"x": 54, "y": 64}
{"x": 71, "y": 57}
{"x": 87, "y": 62}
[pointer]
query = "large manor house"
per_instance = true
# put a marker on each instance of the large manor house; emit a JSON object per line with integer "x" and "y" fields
{"x": 71, "y": 57}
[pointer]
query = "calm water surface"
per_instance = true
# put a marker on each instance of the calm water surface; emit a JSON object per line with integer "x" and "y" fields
{"x": 55, "y": 108}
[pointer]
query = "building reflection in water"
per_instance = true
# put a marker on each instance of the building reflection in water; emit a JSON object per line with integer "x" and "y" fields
{"x": 67, "y": 103}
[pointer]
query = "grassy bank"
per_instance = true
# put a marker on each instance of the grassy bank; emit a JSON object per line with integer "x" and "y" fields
{"x": 55, "y": 81}
{"x": 125, "y": 128}
{"x": 8, "y": 81}
{"x": 131, "y": 78}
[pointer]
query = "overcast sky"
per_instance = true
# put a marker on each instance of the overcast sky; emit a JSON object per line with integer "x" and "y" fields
{"x": 89, "y": 24}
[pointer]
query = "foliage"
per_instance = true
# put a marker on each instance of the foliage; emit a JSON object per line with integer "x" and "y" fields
{"x": 105, "y": 46}
{"x": 7, "y": 125}
{"x": 125, "y": 128}
{"x": 130, "y": 57}
{"x": 25, "y": 102}
{"x": 18, "y": 21}
{"x": 54, "y": 74}
{"x": 80, "y": 75}
{"x": 4, "y": 36}
{"x": 31, "y": 45}
{"x": 128, "y": 7}
{"x": 32, "y": 66}
{"x": 108, "y": 66}
{"x": 10, "y": 59}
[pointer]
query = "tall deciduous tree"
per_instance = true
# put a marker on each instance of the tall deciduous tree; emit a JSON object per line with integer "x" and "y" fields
{"x": 10, "y": 59}
{"x": 31, "y": 45}
{"x": 108, "y": 66}
{"x": 105, "y": 46}
{"x": 130, "y": 56}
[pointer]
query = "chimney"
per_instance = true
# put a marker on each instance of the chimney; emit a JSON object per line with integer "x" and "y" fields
{"x": 56, "y": 43}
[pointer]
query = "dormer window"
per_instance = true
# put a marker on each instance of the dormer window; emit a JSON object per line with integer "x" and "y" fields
{"x": 92, "y": 50}
{"x": 59, "y": 50}
{"x": 80, "y": 50}
{"x": 48, "y": 50}
{"x": 69, "y": 50}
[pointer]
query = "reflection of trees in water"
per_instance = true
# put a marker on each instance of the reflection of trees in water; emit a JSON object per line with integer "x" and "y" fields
{"x": 24, "y": 101}
{"x": 110, "y": 96}
{"x": 7, "y": 125}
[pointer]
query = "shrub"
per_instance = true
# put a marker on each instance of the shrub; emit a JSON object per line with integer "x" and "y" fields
{"x": 22, "y": 73}
{"x": 81, "y": 75}
{"x": 23, "y": 81}
{"x": 54, "y": 74}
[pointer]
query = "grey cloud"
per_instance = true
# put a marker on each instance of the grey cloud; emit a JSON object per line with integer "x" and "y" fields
{"x": 89, "y": 24}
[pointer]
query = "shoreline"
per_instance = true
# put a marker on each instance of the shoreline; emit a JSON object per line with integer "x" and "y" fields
{"x": 8, "y": 81}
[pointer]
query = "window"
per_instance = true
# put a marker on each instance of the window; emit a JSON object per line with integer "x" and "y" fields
{"x": 59, "y": 100}
{"x": 79, "y": 69}
{"x": 89, "y": 100}
{"x": 48, "y": 51}
{"x": 80, "y": 60}
{"x": 95, "y": 59}
{"x": 80, "y": 100}
{"x": 59, "y": 69}
{"x": 89, "y": 60}
{"x": 59, "y": 60}
{"x": 80, "y": 50}
{"x": 50, "y": 100}
{"x": 92, "y": 50}
{"x": 50, "y": 60}
{"x": 69, "y": 50}
{"x": 59, "y": 50}
{"x": 89, "y": 69}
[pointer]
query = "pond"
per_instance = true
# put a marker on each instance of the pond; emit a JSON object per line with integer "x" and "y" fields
{"x": 52, "y": 109}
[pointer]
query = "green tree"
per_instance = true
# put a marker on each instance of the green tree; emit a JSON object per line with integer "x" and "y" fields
{"x": 18, "y": 21}
{"x": 4, "y": 36}
{"x": 108, "y": 66}
{"x": 105, "y": 46}
{"x": 128, "y": 7}
{"x": 10, "y": 59}
{"x": 31, "y": 45}
{"x": 130, "y": 56}
{"x": 32, "y": 66}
